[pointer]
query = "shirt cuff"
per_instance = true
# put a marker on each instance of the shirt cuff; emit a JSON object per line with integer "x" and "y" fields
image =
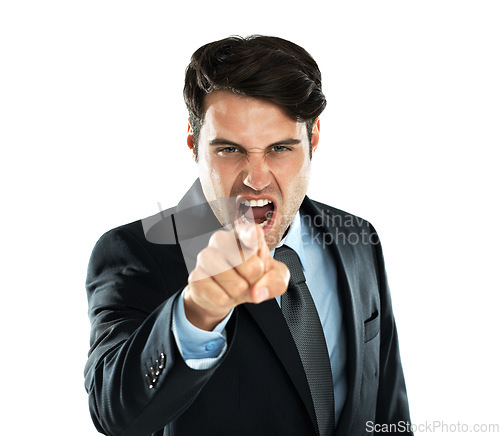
{"x": 199, "y": 348}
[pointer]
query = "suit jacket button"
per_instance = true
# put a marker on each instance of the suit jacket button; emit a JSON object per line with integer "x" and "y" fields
{"x": 210, "y": 346}
{"x": 153, "y": 372}
{"x": 149, "y": 382}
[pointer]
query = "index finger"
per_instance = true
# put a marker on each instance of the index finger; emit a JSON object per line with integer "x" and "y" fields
{"x": 250, "y": 239}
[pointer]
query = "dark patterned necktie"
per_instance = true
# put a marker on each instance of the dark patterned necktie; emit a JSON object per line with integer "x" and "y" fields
{"x": 303, "y": 321}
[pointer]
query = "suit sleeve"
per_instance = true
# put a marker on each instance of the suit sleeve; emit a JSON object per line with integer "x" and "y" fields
{"x": 392, "y": 401}
{"x": 135, "y": 377}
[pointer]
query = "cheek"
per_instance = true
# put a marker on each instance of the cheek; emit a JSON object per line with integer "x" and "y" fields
{"x": 210, "y": 167}
{"x": 294, "y": 173}
{"x": 222, "y": 170}
{"x": 222, "y": 175}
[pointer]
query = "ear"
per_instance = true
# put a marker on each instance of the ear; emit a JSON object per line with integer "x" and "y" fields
{"x": 315, "y": 135}
{"x": 190, "y": 139}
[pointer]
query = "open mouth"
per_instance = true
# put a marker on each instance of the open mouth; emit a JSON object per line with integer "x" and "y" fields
{"x": 259, "y": 212}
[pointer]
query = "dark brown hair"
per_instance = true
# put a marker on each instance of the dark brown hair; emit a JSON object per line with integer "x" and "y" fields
{"x": 264, "y": 67}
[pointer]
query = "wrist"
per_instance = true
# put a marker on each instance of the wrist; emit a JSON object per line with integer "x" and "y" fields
{"x": 199, "y": 316}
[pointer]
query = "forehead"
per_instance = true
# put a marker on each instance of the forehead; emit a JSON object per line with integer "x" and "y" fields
{"x": 227, "y": 113}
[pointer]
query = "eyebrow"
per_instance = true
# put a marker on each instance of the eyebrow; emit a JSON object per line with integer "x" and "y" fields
{"x": 222, "y": 141}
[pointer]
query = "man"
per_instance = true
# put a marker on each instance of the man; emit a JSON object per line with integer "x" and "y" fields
{"x": 248, "y": 309}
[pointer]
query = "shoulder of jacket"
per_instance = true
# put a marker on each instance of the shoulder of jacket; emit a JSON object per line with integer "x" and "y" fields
{"x": 339, "y": 218}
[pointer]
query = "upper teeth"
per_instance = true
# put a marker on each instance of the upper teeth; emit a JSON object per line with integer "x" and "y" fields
{"x": 259, "y": 203}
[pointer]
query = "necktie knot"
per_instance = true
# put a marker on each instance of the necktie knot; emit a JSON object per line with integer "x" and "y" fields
{"x": 290, "y": 258}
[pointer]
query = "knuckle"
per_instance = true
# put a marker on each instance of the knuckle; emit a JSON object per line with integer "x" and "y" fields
{"x": 254, "y": 267}
{"x": 239, "y": 287}
{"x": 279, "y": 280}
{"x": 218, "y": 238}
{"x": 192, "y": 277}
{"x": 200, "y": 257}
{"x": 213, "y": 242}
{"x": 195, "y": 277}
{"x": 208, "y": 262}
{"x": 221, "y": 299}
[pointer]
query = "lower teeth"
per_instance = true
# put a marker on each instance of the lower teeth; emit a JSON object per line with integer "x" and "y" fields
{"x": 263, "y": 224}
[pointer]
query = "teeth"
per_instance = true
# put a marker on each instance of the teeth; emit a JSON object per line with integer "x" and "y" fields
{"x": 264, "y": 223}
{"x": 256, "y": 203}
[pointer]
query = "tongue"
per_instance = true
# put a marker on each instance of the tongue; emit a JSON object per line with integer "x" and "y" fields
{"x": 258, "y": 213}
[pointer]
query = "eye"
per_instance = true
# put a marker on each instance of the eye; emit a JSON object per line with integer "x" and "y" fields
{"x": 227, "y": 150}
{"x": 279, "y": 148}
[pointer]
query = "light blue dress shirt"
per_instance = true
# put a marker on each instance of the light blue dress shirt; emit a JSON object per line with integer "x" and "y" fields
{"x": 201, "y": 349}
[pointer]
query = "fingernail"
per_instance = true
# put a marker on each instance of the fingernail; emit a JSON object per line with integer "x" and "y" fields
{"x": 262, "y": 294}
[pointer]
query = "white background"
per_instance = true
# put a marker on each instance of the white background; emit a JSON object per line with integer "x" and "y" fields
{"x": 92, "y": 131}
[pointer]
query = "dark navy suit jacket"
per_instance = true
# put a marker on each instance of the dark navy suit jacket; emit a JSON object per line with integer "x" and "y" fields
{"x": 138, "y": 383}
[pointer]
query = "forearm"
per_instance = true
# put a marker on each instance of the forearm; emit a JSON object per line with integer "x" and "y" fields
{"x": 130, "y": 309}
{"x": 123, "y": 400}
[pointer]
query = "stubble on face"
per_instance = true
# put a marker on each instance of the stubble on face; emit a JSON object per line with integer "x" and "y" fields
{"x": 238, "y": 160}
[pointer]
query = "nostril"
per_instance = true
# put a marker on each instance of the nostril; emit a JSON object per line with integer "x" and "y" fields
{"x": 257, "y": 181}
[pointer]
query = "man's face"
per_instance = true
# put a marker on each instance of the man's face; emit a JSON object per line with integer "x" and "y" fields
{"x": 253, "y": 162}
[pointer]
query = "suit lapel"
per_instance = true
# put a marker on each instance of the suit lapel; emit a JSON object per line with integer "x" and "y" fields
{"x": 345, "y": 258}
{"x": 270, "y": 320}
{"x": 346, "y": 265}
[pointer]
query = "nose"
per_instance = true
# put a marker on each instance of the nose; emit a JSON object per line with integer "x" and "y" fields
{"x": 258, "y": 176}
